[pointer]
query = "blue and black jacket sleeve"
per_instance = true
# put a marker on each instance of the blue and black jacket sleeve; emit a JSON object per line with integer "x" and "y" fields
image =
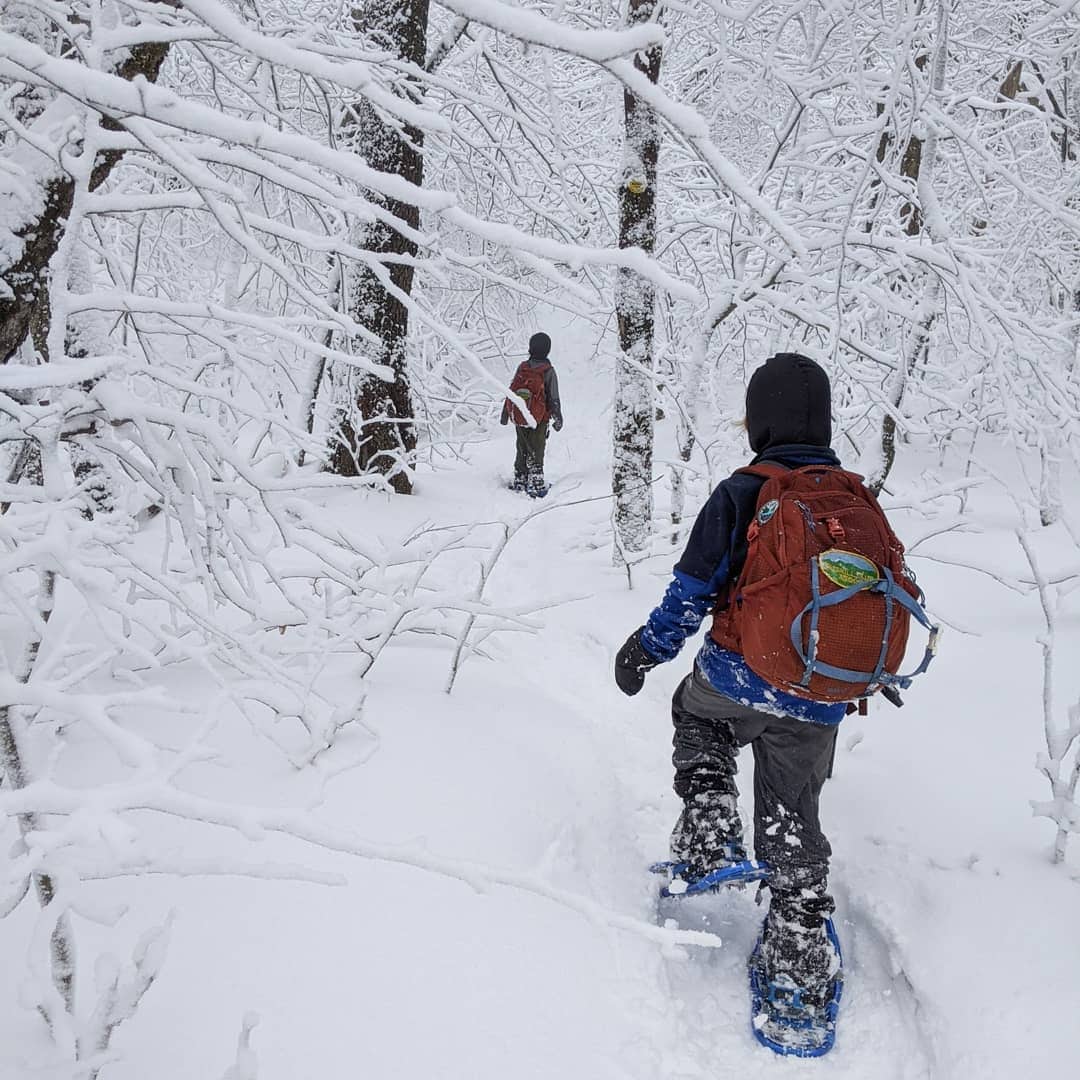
{"x": 699, "y": 575}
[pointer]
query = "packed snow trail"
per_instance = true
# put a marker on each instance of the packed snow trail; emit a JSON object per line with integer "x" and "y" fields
{"x": 689, "y": 1010}
{"x": 877, "y": 1034}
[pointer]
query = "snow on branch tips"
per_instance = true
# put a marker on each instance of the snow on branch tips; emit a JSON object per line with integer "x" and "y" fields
{"x": 264, "y": 266}
{"x": 180, "y": 224}
{"x": 599, "y": 46}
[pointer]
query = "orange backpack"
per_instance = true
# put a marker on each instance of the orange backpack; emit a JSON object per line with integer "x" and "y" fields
{"x": 822, "y": 606}
{"x": 528, "y": 384}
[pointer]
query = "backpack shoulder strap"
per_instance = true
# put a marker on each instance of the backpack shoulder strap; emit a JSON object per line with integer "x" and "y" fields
{"x": 765, "y": 469}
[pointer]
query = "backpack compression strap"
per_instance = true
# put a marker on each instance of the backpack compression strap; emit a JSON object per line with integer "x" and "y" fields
{"x": 894, "y": 594}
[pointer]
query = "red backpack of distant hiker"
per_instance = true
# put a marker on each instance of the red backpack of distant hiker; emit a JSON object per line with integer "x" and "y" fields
{"x": 823, "y": 604}
{"x": 528, "y": 384}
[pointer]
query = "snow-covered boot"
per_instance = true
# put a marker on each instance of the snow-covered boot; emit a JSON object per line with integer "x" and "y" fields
{"x": 707, "y": 853}
{"x": 708, "y": 834}
{"x": 796, "y": 943}
{"x": 796, "y": 975}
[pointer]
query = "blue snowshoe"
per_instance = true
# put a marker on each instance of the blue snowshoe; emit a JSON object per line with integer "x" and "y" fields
{"x": 685, "y": 881}
{"x": 783, "y": 1019}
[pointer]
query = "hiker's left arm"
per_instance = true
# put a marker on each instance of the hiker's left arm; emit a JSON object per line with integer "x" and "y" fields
{"x": 551, "y": 394}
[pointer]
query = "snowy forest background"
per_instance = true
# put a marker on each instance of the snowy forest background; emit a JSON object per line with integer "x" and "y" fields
{"x": 311, "y": 761}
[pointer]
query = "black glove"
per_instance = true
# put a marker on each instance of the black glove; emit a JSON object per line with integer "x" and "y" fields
{"x": 631, "y": 663}
{"x": 557, "y": 423}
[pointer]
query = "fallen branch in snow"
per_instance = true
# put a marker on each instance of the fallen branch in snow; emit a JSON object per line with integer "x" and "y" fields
{"x": 121, "y": 989}
{"x": 246, "y": 1066}
{"x": 67, "y": 808}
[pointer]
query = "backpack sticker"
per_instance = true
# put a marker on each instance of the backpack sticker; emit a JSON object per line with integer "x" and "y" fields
{"x": 845, "y": 568}
{"x": 766, "y": 513}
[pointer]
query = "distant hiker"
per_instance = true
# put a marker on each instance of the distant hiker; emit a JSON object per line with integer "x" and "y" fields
{"x": 735, "y": 555}
{"x": 536, "y": 383}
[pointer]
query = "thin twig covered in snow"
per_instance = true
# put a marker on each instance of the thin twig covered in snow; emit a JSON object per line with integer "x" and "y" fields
{"x": 1061, "y": 740}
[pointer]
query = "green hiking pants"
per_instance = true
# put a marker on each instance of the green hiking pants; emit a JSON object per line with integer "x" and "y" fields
{"x": 529, "y": 460}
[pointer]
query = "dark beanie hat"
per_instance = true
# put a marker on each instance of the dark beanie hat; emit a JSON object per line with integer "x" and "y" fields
{"x": 788, "y": 401}
{"x": 539, "y": 346}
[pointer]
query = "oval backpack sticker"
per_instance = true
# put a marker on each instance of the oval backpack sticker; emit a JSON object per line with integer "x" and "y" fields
{"x": 766, "y": 512}
{"x": 846, "y": 568}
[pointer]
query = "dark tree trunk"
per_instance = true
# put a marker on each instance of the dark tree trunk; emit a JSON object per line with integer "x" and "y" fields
{"x": 16, "y": 773}
{"x": 375, "y": 431}
{"x": 23, "y": 303}
{"x": 911, "y": 218}
{"x": 635, "y": 307}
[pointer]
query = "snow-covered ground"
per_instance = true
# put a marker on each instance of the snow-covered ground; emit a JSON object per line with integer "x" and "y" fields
{"x": 961, "y": 941}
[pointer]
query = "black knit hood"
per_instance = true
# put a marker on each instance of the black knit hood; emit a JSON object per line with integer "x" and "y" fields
{"x": 539, "y": 346}
{"x": 788, "y": 401}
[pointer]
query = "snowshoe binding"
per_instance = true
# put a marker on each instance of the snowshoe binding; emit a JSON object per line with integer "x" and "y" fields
{"x": 686, "y": 879}
{"x": 707, "y": 852}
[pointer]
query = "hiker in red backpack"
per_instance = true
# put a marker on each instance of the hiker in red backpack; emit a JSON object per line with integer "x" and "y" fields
{"x": 793, "y": 503}
{"x": 536, "y": 383}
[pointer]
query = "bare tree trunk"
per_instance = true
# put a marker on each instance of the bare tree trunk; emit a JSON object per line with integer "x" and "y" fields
{"x": 1052, "y": 449}
{"x": 375, "y": 431}
{"x": 25, "y": 276}
{"x": 1051, "y": 453}
{"x": 318, "y": 373}
{"x": 908, "y": 362}
{"x": 13, "y": 759}
{"x": 635, "y": 307}
{"x": 916, "y": 165}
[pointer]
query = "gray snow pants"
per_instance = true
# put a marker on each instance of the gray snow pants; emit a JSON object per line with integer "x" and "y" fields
{"x": 529, "y": 460}
{"x": 791, "y": 763}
